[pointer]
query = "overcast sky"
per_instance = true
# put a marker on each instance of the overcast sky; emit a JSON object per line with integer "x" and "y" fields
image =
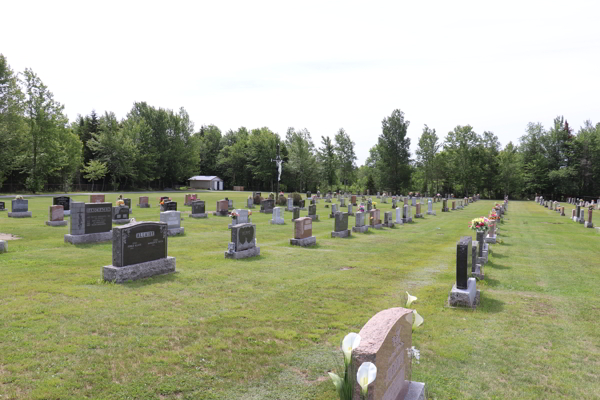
{"x": 318, "y": 65}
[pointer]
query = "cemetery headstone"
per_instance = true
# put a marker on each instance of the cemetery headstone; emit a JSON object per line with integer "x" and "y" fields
{"x": 2, "y": 206}
{"x": 173, "y": 221}
{"x": 222, "y": 209}
{"x": 90, "y": 223}
{"x": 290, "y": 204}
{"x": 20, "y": 209}
{"x": 430, "y": 207}
{"x": 374, "y": 219}
{"x": 445, "y": 205}
{"x": 388, "y": 219}
{"x": 296, "y": 213}
{"x": 333, "y": 210}
{"x": 56, "y": 216}
{"x": 239, "y": 217}
{"x": 277, "y": 218}
{"x": 3, "y": 246}
{"x": 257, "y": 198}
{"x": 399, "y": 219}
{"x": 120, "y": 215}
{"x": 350, "y": 211}
{"x": 476, "y": 268}
{"x": 341, "y": 225}
{"x": 139, "y": 251}
{"x": 64, "y": 201}
{"x": 353, "y": 200}
{"x": 266, "y": 206}
{"x": 312, "y": 212}
{"x": 581, "y": 216}
{"x": 250, "y": 203}
{"x": 96, "y": 198}
{"x": 588, "y": 222}
{"x": 230, "y": 203}
{"x": 418, "y": 213}
{"x": 464, "y": 293}
{"x": 359, "y": 223}
{"x": 303, "y": 233}
{"x": 143, "y": 202}
{"x": 198, "y": 209}
{"x": 243, "y": 242}
{"x": 386, "y": 341}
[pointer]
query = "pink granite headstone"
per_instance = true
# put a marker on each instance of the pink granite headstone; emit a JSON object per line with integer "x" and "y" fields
{"x": 386, "y": 341}
{"x": 143, "y": 199}
{"x": 96, "y": 198}
{"x": 56, "y": 213}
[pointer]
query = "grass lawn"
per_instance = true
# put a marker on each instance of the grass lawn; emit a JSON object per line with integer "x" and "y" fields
{"x": 269, "y": 327}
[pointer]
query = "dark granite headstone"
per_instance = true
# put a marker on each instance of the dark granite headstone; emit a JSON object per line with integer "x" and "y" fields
{"x": 242, "y": 236}
{"x": 198, "y": 207}
{"x": 463, "y": 261}
{"x": 480, "y": 239}
{"x": 20, "y": 205}
{"x": 301, "y": 204}
{"x": 127, "y": 202}
{"x": 139, "y": 242}
{"x": 121, "y": 212}
{"x": 90, "y": 218}
{"x": 64, "y": 201}
{"x": 312, "y": 209}
{"x": 341, "y": 221}
{"x": 2, "y": 205}
{"x": 267, "y": 205}
{"x": 296, "y": 213}
{"x": 308, "y": 195}
{"x": 171, "y": 206}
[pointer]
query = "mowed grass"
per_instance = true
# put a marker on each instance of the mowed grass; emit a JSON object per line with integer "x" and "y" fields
{"x": 269, "y": 327}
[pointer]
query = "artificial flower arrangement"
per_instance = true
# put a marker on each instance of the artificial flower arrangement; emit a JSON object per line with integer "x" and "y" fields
{"x": 162, "y": 202}
{"x": 410, "y": 193}
{"x": 361, "y": 208}
{"x": 439, "y": 195}
{"x": 19, "y": 197}
{"x": 493, "y": 216}
{"x": 120, "y": 202}
{"x": 480, "y": 224}
{"x": 234, "y": 214}
{"x": 366, "y": 374}
{"x": 374, "y": 205}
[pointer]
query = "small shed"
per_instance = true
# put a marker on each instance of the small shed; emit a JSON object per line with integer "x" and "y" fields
{"x": 206, "y": 182}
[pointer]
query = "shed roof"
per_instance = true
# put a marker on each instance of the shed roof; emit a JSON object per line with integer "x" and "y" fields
{"x": 203, "y": 178}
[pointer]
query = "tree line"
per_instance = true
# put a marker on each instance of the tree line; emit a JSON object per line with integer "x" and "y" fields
{"x": 156, "y": 148}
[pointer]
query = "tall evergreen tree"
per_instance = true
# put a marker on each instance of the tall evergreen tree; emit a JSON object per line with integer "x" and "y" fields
{"x": 393, "y": 151}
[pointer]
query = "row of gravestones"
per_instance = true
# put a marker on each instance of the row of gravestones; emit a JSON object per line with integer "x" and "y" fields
{"x": 577, "y": 214}
{"x": 470, "y": 260}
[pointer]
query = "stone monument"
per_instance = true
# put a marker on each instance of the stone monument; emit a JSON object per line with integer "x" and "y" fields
{"x": 56, "y": 216}
{"x": 90, "y": 223}
{"x": 464, "y": 293}
{"x": 303, "y": 233}
{"x": 243, "y": 242}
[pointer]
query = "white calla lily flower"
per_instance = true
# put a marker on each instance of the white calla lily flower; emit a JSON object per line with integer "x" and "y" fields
{"x": 410, "y": 299}
{"x": 366, "y": 375}
{"x": 350, "y": 342}
{"x": 337, "y": 381}
{"x": 418, "y": 321}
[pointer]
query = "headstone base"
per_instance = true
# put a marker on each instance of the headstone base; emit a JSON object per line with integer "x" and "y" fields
{"x": 331, "y": 215}
{"x": 56, "y": 223}
{"x": 25, "y": 214}
{"x": 468, "y": 297}
{"x": 279, "y": 221}
{"x": 360, "y": 229}
{"x": 266, "y": 211}
{"x": 478, "y": 273}
{"x": 147, "y": 205}
{"x": 67, "y": 213}
{"x": 175, "y": 231}
{"x": 419, "y": 216}
{"x": 314, "y": 217}
{"x": 416, "y": 391}
{"x": 405, "y": 220}
{"x": 200, "y": 215}
{"x": 445, "y": 209}
{"x": 575, "y": 219}
{"x": 377, "y": 226}
{"x": 588, "y": 224}
{"x": 3, "y": 209}
{"x": 3, "y": 246}
{"x": 120, "y": 221}
{"x": 139, "y": 271}
{"x": 309, "y": 241}
{"x": 431, "y": 213}
{"x": 220, "y": 214}
{"x": 581, "y": 220}
{"x": 490, "y": 239}
{"x": 89, "y": 238}
{"x": 236, "y": 255}
{"x": 341, "y": 234}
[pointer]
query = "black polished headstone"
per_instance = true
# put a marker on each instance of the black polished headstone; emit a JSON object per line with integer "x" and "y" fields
{"x": 463, "y": 261}
{"x": 242, "y": 236}
{"x": 121, "y": 212}
{"x": 2, "y": 205}
{"x": 296, "y": 213}
{"x": 170, "y": 206}
{"x": 198, "y": 207}
{"x": 139, "y": 242}
{"x": 64, "y": 201}
{"x": 127, "y": 202}
{"x": 98, "y": 217}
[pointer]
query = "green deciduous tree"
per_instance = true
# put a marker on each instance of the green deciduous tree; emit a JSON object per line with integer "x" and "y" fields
{"x": 344, "y": 149}
{"x": 393, "y": 153}
{"x": 328, "y": 161}
{"x": 426, "y": 152}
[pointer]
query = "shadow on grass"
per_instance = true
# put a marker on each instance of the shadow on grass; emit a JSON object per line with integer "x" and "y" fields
{"x": 489, "y": 305}
{"x": 491, "y": 282}
{"x": 151, "y": 280}
{"x": 494, "y": 265}
{"x": 498, "y": 255}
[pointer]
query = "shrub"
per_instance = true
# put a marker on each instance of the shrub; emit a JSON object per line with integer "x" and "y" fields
{"x": 281, "y": 201}
{"x": 297, "y": 197}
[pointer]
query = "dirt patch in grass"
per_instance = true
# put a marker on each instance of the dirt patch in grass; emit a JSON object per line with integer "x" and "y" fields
{"x": 346, "y": 268}
{"x": 8, "y": 236}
